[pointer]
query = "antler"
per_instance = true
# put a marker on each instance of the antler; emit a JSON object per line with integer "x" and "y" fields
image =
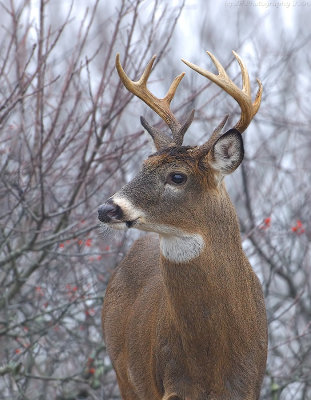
{"x": 242, "y": 96}
{"x": 160, "y": 106}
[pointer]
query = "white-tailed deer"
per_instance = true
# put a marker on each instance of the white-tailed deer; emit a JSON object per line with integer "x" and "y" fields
{"x": 184, "y": 315}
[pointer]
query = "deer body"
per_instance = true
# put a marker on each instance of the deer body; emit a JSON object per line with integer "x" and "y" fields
{"x": 184, "y": 315}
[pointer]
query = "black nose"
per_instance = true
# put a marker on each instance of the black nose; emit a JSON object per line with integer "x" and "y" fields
{"x": 109, "y": 211}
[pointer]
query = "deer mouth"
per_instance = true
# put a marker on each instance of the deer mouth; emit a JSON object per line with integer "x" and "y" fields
{"x": 121, "y": 225}
{"x": 130, "y": 224}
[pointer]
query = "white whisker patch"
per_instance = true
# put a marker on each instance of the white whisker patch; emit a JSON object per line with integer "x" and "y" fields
{"x": 130, "y": 211}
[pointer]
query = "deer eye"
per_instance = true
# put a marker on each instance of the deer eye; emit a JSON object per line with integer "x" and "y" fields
{"x": 177, "y": 178}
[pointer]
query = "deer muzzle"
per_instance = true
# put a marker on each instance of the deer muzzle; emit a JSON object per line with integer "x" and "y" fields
{"x": 110, "y": 212}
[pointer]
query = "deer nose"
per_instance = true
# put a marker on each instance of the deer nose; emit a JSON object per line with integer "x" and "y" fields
{"x": 109, "y": 212}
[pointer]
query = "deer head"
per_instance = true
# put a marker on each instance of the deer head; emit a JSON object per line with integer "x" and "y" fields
{"x": 179, "y": 187}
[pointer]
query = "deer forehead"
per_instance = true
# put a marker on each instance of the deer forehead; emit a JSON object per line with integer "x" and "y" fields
{"x": 183, "y": 156}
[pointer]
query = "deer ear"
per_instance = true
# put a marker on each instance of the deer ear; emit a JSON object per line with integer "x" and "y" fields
{"x": 227, "y": 152}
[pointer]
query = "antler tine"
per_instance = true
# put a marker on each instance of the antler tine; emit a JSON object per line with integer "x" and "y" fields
{"x": 246, "y": 86}
{"x": 242, "y": 96}
{"x": 160, "y": 106}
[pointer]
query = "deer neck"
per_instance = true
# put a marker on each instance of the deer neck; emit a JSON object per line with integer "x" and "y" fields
{"x": 199, "y": 272}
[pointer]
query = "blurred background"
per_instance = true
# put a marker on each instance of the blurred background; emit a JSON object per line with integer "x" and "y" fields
{"x": 70, "y": 136}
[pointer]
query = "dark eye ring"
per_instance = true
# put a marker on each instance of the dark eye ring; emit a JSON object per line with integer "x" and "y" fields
{"x": 177, "y": 178}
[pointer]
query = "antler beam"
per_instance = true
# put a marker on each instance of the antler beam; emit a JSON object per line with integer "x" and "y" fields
{"x": 242, "y": 96}
{"x": 160, "y": 106}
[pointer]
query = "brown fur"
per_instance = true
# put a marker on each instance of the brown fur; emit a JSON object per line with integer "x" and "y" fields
{"x": 185, "y": 331}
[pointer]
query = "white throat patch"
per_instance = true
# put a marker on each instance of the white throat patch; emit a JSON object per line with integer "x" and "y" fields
{"x": 183, "y": 248}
